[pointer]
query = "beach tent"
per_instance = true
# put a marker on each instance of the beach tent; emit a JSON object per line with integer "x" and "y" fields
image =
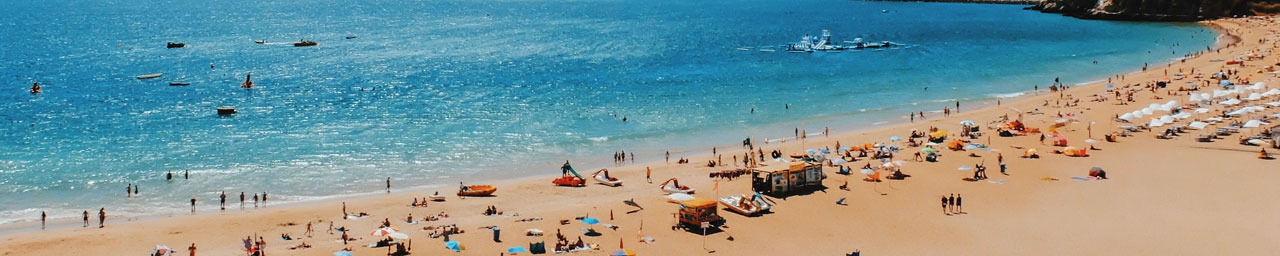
{"x": 455, "y": 246}
{"x": 1198, "y": 125}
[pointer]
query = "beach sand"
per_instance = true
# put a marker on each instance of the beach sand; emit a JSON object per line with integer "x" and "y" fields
{"x": 1175, "y": 196}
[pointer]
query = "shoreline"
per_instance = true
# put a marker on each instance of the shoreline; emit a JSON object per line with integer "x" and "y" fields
{"x": 1224, "y": 39}
{"x": 629, "y": 172}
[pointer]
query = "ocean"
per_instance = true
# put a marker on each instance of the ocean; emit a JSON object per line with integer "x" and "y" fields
{"x": 447, "y": 91}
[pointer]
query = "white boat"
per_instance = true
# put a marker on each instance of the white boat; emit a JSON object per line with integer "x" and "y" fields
{"x": 673, "y": 186}
{"x": 436, "y": 197}
{"x": 602, "y": 176}
{"x": 745, "y": 205}
{"x": 150, "y": 76}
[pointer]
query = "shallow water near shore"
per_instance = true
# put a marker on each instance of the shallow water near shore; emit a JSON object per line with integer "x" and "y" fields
{"x": 437, "y": 92}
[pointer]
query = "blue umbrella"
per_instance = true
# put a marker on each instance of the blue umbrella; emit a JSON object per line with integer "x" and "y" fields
{"x": 825, "y": 151}
{"x": 1109, "y": 86}
{"x": 453, "y": 245}
{"x": 342, "y": 253}
{"x": 844, "y": 148}
{"x": 590, "y": 221}
{"x": 895, "y": 138}
{"x": 517, "y": 249}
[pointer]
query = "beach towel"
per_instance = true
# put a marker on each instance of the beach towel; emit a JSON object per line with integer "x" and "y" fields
{"x": 1080, "y": 178}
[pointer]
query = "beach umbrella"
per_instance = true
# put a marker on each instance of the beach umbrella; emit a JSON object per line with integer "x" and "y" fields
{"x": 1091, "y": 141}
{"x": 590, "y": 221}
{"x": 965, "y": 168}
{"x": 517, "y": 249}
{"x": 624, "y": 252}
{"x": 895, "y": 138}
{"x": 1252, "y": 124}
{"x": 928, "y": 150}
{"x": 162, "y": 250}
{"x": 931, "y": 143}
{"x": 1198, "y": 125}
{"x": 454, "y": 245}
{"x": 839, "y": 161}
{"x": 939, "y": 134}
{"x": 1109, "y": 86}
{"x": 825, "y": 151}
{"x": 844, "y": 149}
{"x": 342, "y": 253}
{"x": 1256, "y": 142}
{"x": 868, "y": 171}
{"x": 967, "y": 123}
{"x": 384, "y": 231}
{"x": 399, "y": 235}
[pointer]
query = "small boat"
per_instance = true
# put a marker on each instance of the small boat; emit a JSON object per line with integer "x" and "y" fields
{"x": 304, "y": 43}
{"x": 260, "y": 41}
{"x": 744, "y": 205}
{"x": 175, "y": 45}
{"x": 179, "y": 84}
{"x": 477, "y": 190}
{"x": 150, "y": 76}
{"x": 673, "y": 186}
{"x": 436, "y": 197}
{"x": 351, "y": 37}
{"x": 226, "y": 110}
{"x": 602, "y": 176}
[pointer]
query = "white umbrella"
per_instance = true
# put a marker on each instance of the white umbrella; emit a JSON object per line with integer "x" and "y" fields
{"x": 1156, "y": 123}
{"x": 1198, "y": 125}
{"x": 966, "y": 123}
{"x": 839, "y": 161}
{"x": 399, "y": 235}
{"x": 1256, "y": 142}
{"x": 1253, "y": 124}
{"x": 1202, "y": 110}
{"x": 965, "y": 168}
{"x": 1091, "y": 141}
{"x": 384, "y": 231}
{"x": 868, "y": 171}
{"x": 1229, "y": 102}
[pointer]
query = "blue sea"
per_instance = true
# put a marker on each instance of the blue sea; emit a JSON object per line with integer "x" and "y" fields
{"x": 447, "y": 91}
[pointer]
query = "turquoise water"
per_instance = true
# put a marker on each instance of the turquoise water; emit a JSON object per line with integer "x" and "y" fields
{"x": 437, "y": 92}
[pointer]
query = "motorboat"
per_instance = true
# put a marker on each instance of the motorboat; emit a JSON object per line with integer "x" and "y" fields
{"x": 304, "y": 43}
{"x": 150, "y": 76}
{"x": 172, "y": 45}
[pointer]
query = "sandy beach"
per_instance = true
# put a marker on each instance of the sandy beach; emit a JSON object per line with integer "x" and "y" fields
{"x": 1162, "y": 196}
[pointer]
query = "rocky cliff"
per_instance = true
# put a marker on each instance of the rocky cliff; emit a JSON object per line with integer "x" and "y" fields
{"x": 1157, "y": 10}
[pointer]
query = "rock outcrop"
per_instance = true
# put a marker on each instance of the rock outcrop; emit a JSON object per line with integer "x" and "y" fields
{"x": 1157, "y": 10}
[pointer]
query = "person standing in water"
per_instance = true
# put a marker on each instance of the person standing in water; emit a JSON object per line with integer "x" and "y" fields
{"x": 86, "y": 219}
{"x": 35, "y": 87}
{"x": 248, "y": 82}
{"x": 102, "y": 217}
{"x": 388, "y": 185}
